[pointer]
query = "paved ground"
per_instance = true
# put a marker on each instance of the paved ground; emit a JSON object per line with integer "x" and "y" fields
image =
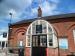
{"x": 2, "y": 54}
{"x": 5, "y": 52}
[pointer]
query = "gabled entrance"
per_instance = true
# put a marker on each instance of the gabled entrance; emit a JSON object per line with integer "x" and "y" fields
{"x": 40, "y": 35}
{"x": 39, "y": 44}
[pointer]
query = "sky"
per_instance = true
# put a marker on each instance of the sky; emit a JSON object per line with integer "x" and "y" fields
{"x": 27, "y": 9}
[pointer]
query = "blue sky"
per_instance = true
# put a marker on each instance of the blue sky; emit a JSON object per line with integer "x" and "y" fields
{"x": 27, "y": 9}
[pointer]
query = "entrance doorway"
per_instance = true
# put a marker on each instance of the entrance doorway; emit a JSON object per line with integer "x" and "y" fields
{"x": 40, "y": 35}
{"x": 39, "y": 44}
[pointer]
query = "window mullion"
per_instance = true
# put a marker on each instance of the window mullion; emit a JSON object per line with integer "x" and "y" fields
{"x": 31, "y": 36}
{"x": 47, "y": 36}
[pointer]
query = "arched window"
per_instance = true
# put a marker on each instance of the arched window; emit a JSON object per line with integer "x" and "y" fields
{"x": 41, "y": 27}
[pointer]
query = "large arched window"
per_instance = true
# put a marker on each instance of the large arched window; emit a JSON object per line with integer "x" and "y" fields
{"x": 41, "y": 27}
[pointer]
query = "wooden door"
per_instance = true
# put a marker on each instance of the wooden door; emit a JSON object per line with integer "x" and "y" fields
{"x": 39, "y": 44}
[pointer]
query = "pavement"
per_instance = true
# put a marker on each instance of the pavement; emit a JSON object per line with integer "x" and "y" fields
{"x": 4, "y": 52}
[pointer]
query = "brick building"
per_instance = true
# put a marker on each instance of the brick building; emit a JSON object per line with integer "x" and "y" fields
{"x": 44, "y": 36}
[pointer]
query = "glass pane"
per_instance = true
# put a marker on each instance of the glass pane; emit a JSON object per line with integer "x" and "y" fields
{"x": 29, "y": 30}
{"x": 43, "y": 41}
{"x": 44, "y": 28}
{"x": 63, "y": 43}
{"x": 49, "y": 29}
{"x": 34, "y": 41}
{"x": 50, "y": 44}
{"x": 38, "y": 28}
{"x": 33, "y": 28}
{"x": 50, "y": 39}
{"x": 28, "y": 40}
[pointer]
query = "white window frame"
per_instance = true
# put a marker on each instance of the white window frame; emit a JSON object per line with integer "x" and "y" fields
{"x": 62, "y": 39}
{"x": 48, "y": 25}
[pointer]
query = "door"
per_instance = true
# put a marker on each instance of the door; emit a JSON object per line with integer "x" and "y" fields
{"x": 21, "y": 52}
{"x": 39, "y": 44}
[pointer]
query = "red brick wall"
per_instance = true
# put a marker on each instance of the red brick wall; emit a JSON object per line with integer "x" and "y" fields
{"x": 63, "y": 27}
{"x": 52, "y": 52}
{"x": 27, "y": 51}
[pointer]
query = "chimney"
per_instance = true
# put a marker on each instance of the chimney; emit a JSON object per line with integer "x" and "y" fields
{"x": 39, "y": 12}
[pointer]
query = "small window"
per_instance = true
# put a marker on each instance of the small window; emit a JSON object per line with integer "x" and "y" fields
{"x": 63, "y": 43}
{"x": 33, "y": 29}
{"x": 28, "y": 40}
{"x": 50, "y": 39}
{"x": 43, "y": 41}
{"x": 38, "y": 28}
{"x": 35, "y": 41}
{"x": 44, "y": 27}
{"x": 29, "y": 32}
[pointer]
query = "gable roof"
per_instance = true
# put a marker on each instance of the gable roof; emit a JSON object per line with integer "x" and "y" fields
{"x": 46, "y": 18}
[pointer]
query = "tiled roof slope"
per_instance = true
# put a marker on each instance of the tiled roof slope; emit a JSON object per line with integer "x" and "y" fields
{"x": 47, "y": 18}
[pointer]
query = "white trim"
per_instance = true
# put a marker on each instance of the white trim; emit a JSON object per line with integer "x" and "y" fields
{"x": 31, "y": 43}
{"x": 63, "y": 41}
{"x": 74, "y": 35}
{"x": 55, "y": 44}
{"x": 1, "y": 43}
{"x": 48, "y": 25}
{"x": 47, "y": 35}
{"x": 5, "y": 44}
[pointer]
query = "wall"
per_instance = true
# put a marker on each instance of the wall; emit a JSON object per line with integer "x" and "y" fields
{"x": 63, "y": 28}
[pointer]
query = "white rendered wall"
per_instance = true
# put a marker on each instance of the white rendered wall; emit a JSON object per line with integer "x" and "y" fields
{"x": 3, "y": 38}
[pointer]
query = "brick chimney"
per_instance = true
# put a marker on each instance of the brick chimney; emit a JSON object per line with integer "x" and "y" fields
{"x": 39, "y": 12}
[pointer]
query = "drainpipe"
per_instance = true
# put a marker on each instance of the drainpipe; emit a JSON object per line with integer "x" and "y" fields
{"x": 58, "y": 47}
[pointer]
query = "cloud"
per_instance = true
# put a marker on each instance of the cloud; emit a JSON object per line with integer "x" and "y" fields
{"x": 17, "y": 5}
{"x": 18, "y": 9}
{"x": 3, "y": 30}
{"x": 48, "y": 8}
{"x": 71, "y": 9}
{"x": 55, "y": 1}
